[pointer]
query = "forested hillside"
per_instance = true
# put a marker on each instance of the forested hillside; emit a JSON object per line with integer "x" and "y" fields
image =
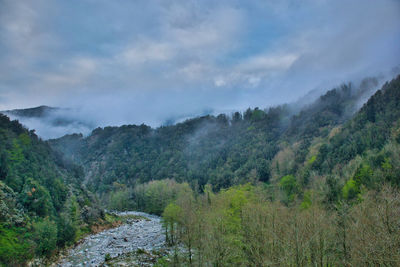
{"x": 43, "y": 204}
{"x": 335, "y": 204}
{"x": 223, "y": 150}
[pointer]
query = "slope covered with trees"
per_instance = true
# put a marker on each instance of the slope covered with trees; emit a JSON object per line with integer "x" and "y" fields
{"x": 339, "y": 207}
{"x": 43, "y": 205}
{"x": 256, "y": 145}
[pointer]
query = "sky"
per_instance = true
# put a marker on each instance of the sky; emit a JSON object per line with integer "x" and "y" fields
{"x": 115, "y": 62}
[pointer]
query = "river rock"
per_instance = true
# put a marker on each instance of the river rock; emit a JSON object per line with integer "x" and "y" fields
{"x": 145, "y": 234}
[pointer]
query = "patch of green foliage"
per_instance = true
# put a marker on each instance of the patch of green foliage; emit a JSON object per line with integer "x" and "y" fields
{"x": 15, "y": 247}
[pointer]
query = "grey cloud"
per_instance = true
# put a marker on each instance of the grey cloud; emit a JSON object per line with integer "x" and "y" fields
{"x": 116, "y": 62}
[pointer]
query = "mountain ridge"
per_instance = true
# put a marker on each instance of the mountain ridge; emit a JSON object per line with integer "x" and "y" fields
{"x": 222, "y": 150}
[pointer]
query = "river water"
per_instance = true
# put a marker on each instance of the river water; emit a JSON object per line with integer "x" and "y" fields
{"x": 137, "y": 234}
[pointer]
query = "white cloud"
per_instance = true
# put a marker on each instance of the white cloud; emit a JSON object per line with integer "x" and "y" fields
{"x": 268, "y": 63}
{"x": 194, "y": 71}
{"x": 146, "y": 52}
{"x": 219, "y": 81}
{"x": 254, "y": 81}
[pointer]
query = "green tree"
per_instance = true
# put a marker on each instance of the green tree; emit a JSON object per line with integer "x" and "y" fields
{"x": 171, "y": 216}
{"x": 45, "y": 236}
{"x": 36, "y": 198}
{"x": 14, "y": 249}
{"x": 289, "y": 185}
{"x": 351, "y": 190}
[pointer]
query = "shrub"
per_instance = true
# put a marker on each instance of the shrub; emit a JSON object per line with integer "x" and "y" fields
{"x": 14, "y": 250}
{"x": 45, "y": 236}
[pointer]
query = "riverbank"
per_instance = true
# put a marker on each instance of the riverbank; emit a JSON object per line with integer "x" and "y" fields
{"x": 139, "y": 232}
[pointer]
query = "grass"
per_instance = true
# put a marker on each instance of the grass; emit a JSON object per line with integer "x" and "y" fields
{"x": 112, "y": 218}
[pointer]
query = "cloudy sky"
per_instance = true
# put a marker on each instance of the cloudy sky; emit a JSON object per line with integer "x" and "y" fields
{"x": 134, "y": 61}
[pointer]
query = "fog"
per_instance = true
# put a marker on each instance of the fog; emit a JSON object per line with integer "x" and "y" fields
{"x": 56, "y": 123}
{"x": 159, "y": 62}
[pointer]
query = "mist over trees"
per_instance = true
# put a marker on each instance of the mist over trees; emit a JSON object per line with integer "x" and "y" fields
{"x": 258, "y": 145}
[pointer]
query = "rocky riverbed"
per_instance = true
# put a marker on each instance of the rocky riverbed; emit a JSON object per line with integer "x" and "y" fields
{"x": 137, "y": 235}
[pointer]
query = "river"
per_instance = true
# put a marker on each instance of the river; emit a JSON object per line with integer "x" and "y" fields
{"x": 143, "y": 235}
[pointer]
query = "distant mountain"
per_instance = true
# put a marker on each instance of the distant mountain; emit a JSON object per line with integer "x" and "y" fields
{"x": 50, "y": 122}
{"x": 36, "y": 112}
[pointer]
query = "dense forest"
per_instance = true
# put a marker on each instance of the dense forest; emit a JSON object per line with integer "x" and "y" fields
{"x": 43, "y": 203}
{"x": 284, "y": 186}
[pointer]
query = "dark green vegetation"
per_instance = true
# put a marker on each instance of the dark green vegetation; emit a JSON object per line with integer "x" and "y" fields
{"x": 43, "y": 204}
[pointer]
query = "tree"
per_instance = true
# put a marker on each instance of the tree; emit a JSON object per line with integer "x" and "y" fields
{"x": 36, "y": 198}
{"x": 289, "y": 185}
{"x": 171, "y": 216}
{"x": 45, "y": 236}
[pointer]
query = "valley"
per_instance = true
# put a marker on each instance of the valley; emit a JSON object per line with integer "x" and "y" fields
{"x": 313, "y": 185}
{"x": 199, "y": 133}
